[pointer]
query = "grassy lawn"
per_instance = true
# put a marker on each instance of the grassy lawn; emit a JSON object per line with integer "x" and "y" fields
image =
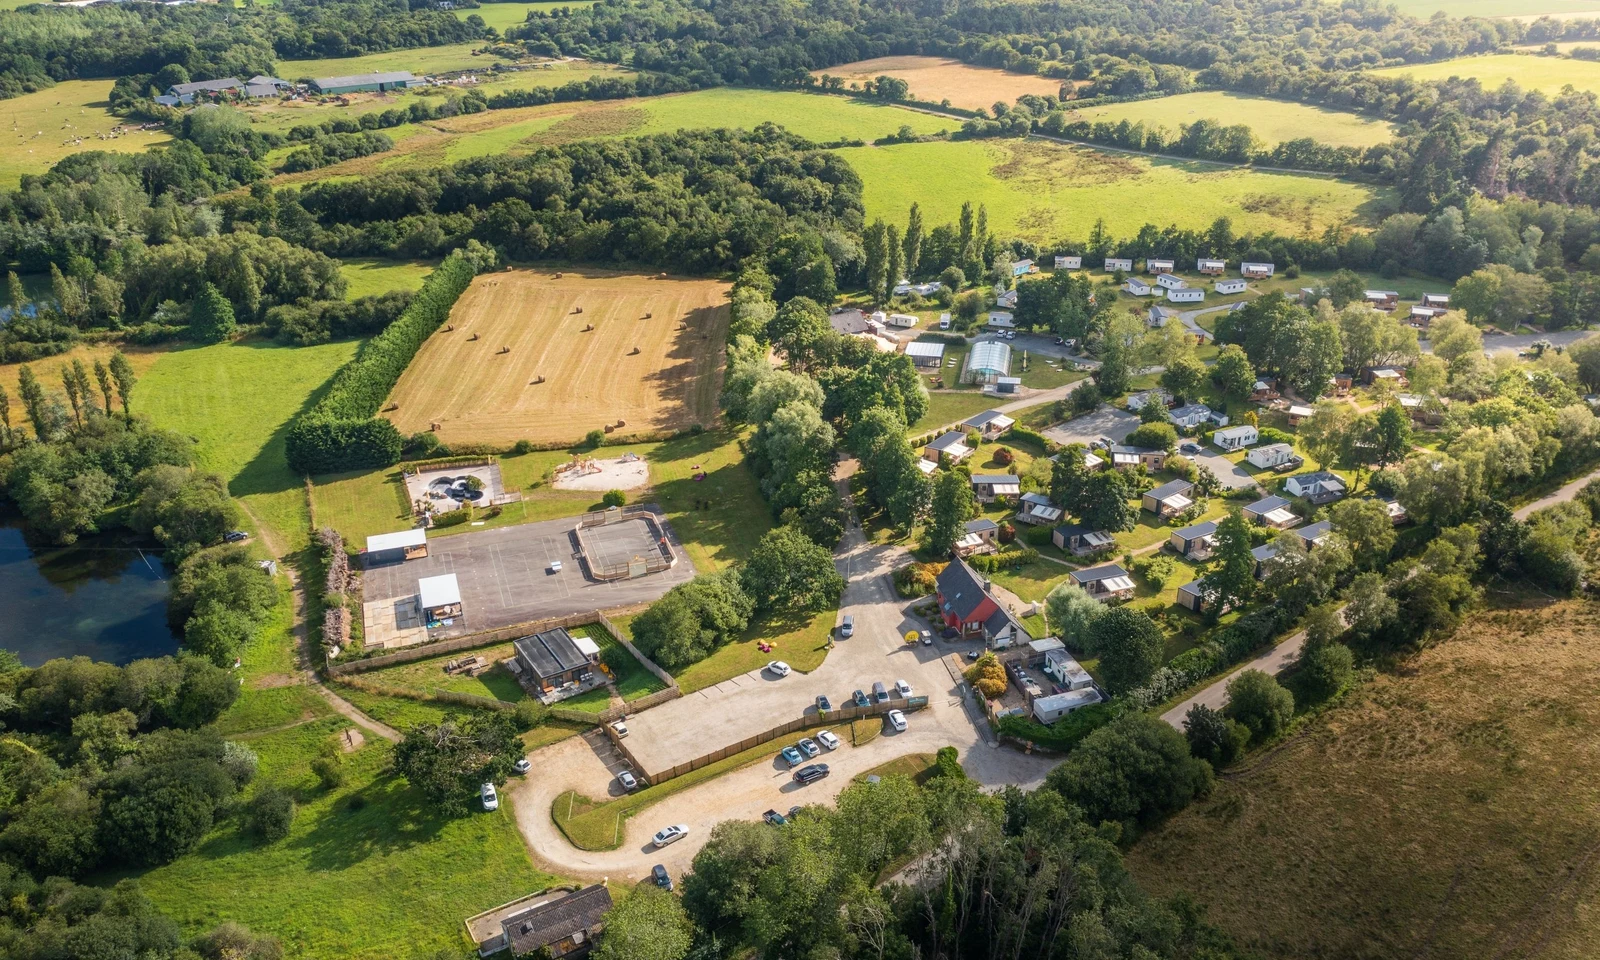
{"x": 428, "y": 676}
{"x": 329, "y": 890}
{"x": 1048, "y": 190}
{"x": 1548, "y": 74}
{"x": 419, "y": 60}
{"x": 801, "y": 642}
{"x": 1151, "y": 530}
{"x": 366, "y": 276}
{"x": 1273, "y": 121}
{"x": 917, "y": 766}
{"x": 948, "y": 408}
{"x": 1485, "y": 750}
{"x": 236, "y": 400}
{"x": 70, "y": 117}
{"x": 502, "y": 15}
{"x": 402, "y": 713}
{"x": 598, "y": 825}
{"x": 1032, "y": 581}
{"x": 1040, "y": 374}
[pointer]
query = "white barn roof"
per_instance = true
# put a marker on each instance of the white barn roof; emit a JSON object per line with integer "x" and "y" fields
{"x": 415, "y": 537}
{"x": 440, "y": 591}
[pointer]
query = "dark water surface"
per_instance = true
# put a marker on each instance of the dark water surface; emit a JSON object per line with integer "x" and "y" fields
{"x": 101, "y": 598}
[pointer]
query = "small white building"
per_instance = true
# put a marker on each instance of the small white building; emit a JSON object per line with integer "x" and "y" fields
{"x": 1001, "y": 320}
{"x": 396, "y": 547}
{"x": 1054, "y": 707}
{"x": 1229, "y": 286}
{"x": 1185, "y": 295}
{"x": 1136, "y": 401}
{"x": 1170, "y": 281}
{"x": 1021, "y": 268}
{"x": 1158, "y": 266}
{"x": 1069, "y": 263}
{"x": 1209, "y": 266}
{"x": 1256, "y": 271}
{"x": 1006, "y": 299}
{"x": 439, "y": 598}
{"x": 1195, "y": 414}
{"x": 1236, "y": 438}
{"x": 1113, "y": 264}
{"x": 1068, "y": 672}
{"x": 1137, "y": 287}
{"x": 902, "y": 320}
{"x": 1269, "y": 456}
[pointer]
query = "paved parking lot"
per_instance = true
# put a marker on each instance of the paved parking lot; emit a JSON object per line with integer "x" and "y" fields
{"x": 1229, "y": 474}
{"x": 1104, "y": 422}
{"x": 505, "y": 576}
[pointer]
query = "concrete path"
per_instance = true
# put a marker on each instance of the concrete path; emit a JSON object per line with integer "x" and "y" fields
{"x": 1190, "y": 318}
{"x": 1271, "y": 663}
{"x": 1033, "y": 399}
{"x": 1560, "y": 496}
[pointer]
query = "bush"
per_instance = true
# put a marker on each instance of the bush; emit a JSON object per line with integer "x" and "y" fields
{"x": 1037, "y": 536}
{"x": 1062, "y": 735}
{"x": 948, "y": 764}
{"x": 1157, "y": 569}
{"x": 270, "y": 814}
{"x": 594, "y": 438}
{"x": 329, "y": 771}
{"x": 1004, "y": 456}
{"x": 988, "y": 677}
{"x": 1260, "y": 703}
{"x": 1325, "y": 669}
{"x": 917, "y": 579}
{"x": 530, "y": 713}
{"x": 614, "y": 498}
{"x": 342, "y": 432}
{"x": 999, "y": 561}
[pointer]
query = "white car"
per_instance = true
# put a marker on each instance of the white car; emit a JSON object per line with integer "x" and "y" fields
{"x": 523, "y": 765}
{"x": 828, "y": 740}
{"x": 897, "y": 720}
{"x": 778, "y": 668}
{"x": 903, "y": 687}
{"x": 671, "y": 834}
{"x": 620, "y": 729}
{"x": 627, "y": 780}
{"x": 491, "y": 799}
{"x": 555, "y": 566}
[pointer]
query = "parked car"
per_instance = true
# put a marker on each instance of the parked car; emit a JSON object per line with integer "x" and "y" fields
{"x": 794, "y": 811}
{"x": 523, "y": 765}
{"x": 827, "y": 739}
{"x": 620, "y": 729}
{"x": 671, "y": 834}
{"x": 974, "y": 654}
{"x": 823, "y": 703}
{"x": 880, "y": 692}
{"x": 848, "y": 627}
{"x": 491, "y": 799}
{"x": 627, "y": 780}
{"x": 663, "y": 879}
{"x": 897, "y": 720}
{"x": 811, "y": 774}
{"x": 792, "y": 756}
{"x": 903, "y": 688}
{"x": 778, "y": 668}
{"x": 235, "y": 536}
{"x": 774, "y": 817}
{"x": 861, "y": 699}
{"x": 808, "y": 747}
{"x": 555, "y": 566}
{"x": 927, "y": 638}
{"x": 1189, "y": 447}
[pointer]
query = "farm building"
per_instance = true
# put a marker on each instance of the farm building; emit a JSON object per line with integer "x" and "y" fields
{"x": 1185, "y": 295}
{"x": 1036, "y": 509}
{"x": 989, "y": 423}
{"x": 554, "y": 658}
{"x": 1113, "y": 264}
{"x": 1382, "y": 299}
{"x": 1229, "y": 286}
{"x": 395, "y": 547}
{"x": 1057, "y": 705}
{"x": 1210, "y": 267}
{"x": 1124, "y": 457}
{"x": 1271, "y": 512}
{"x": 1137, "y": 287}
{"x": 966, "y": 606}
{"x": 1170, "y": 281}
{"x": 1235, "y": 438}
{"x": 364, "y": 82}
{"x": 1256, "y": 271}
{"x": 1136, "y": 401}
{"x": 186, "y": 92}
{"x": 1105, "y": 582}
{"x": 1196, "y": 541}
{"x": 952, "y": 445}
{"x": 1069, "y": 263}
{"x": 989, "y": 487}
{"x": 987, "y": 362}
{"x": 1081, "y": 541}
{"x": 261, "y": 85}
{"x": 1169, "y": 499}
{"x": 439, "y": 598}
{"x": 978, "y": 536}
{"x": 1320, "y": 487}
{"x": 1269, "y": 456}
{"x": 926, "y": 353}
{"x": 1157, "y": 266}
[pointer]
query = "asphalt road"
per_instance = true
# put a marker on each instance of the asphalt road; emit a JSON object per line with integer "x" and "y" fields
{"x": 1560, "y": 496}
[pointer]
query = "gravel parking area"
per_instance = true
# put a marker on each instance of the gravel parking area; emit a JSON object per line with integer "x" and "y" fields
{"x": 1104, "y": 422}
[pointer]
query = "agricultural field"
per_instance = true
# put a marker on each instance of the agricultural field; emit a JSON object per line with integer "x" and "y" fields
{"x": 937, "y": 80}
{"x": 1510, "y": 9}
{"x": 1042, "y": 191}
{"x": 71, "y": 117}
{"x": 48, "y": 370}
{"x": 503, "y": 15}
{"x": 419, "y": 60}
{"x": 1447, "y": 809}
{"x": 1548, "y": 74}
{"x": 1273, "y": 121}
{"x": 555, "y": 356}
{"x": 236, "y": 400}
{"x": 366, "y": 276}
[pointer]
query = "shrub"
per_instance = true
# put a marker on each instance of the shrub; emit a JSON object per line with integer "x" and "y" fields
{"x": 1000, "y": 561}
{"x": 270, "y": 814}
{"x": 594, "y": 438}
{"x": 329, "y": 771}
{"x": 1061, "y": 735}
{"x": 1037, "y": 536}
{"x": 1325, "y": 668}
{"x": 521, "y": 447}
{"x": 948, "y": 764}
{"x": 614, "y": 498}
{"x": 1259, "y": 702}
{"x": 530, "y": 713}
{"x": 1004, "y": 456}
{"x": 917, "y": 579}
{"x": 988, "y": 677}
{"x": 1157, "y": 569}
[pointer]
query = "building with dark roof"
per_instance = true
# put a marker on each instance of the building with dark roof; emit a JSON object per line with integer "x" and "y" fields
{"x": 1195, "y": 541}
{"x": 561, "y": 928}
{"x": 364, "y": 82}
{"x": 967, "y": 607}
{"x": 552, "y": 658}
{"x": 1106, "y": 582}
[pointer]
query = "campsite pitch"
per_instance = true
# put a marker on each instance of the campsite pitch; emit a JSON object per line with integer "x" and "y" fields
{"x": 549, "y": 356}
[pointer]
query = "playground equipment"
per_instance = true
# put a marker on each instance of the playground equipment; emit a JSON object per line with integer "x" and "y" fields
{"x": 579, "y": 466}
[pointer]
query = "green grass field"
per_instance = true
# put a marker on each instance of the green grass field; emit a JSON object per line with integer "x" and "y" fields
{"x": 502, "y": 15}
{"x": 1273, "y": 121}
{"x": 370, "y": 275}
{"x": 1548, "y": 74}
{"x": 1521, "y": 9}
{"x": 237, "y": 400}
{"x": 368, "y": 870}
{"x": 419, "y": 60}
{"x": 1042, "y": 191}
{"x": 39, "y": 129}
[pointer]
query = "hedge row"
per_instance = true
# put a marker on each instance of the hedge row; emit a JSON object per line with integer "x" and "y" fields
{"x": 342, "y": 432}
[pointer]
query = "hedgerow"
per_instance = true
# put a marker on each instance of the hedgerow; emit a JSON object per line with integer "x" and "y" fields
{"x": 342, "y": 432}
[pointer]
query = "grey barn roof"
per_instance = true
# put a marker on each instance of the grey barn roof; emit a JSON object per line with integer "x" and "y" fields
{"x": 361, "y": 79}
{"x": 551, "y": 652}
{"x": 555, "y": 921}
{"x": 198, "y": 86}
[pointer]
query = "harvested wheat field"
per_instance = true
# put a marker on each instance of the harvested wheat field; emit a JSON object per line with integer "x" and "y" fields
{"x": 936, "y": 80}
{"x": 609, "y": 347}
{"x": 1451, "y": 809}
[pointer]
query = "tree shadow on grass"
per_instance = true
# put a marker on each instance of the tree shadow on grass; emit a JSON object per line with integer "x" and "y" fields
{"x": 268, "y": 471}
{"x": 383, "y": 817}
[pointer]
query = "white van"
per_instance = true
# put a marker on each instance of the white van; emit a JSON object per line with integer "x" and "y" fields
{"x": 944, "y": 321}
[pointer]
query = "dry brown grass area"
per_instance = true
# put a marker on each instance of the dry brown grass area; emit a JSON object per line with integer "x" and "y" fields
{"x": 476, "y": 393}
{"x": 935, "y": 79}
{"x": 1450, "y": 811}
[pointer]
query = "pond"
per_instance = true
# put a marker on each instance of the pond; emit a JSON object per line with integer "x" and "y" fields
{"x": 102, "y": 598}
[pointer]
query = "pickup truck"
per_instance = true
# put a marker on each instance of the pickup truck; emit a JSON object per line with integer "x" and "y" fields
{"x": 775, "y": 818}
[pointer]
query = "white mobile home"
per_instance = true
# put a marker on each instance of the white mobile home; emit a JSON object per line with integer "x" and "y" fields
{"x": 1113, "y": 264}
{"x": 1170, "y": 281}
{"x": 1137, "y": 287}
{"x": 1185, "y": 295}
{"x": 1229, "y": 286}
{"x": 1210, "y": 267}
{"x": 1235, "y": 438}
{"x": 1269, "y": 456}
{"x": 1256, "y": 271}
{"x": 1159, "y": 266}
{"x": 1069, "y": 263}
